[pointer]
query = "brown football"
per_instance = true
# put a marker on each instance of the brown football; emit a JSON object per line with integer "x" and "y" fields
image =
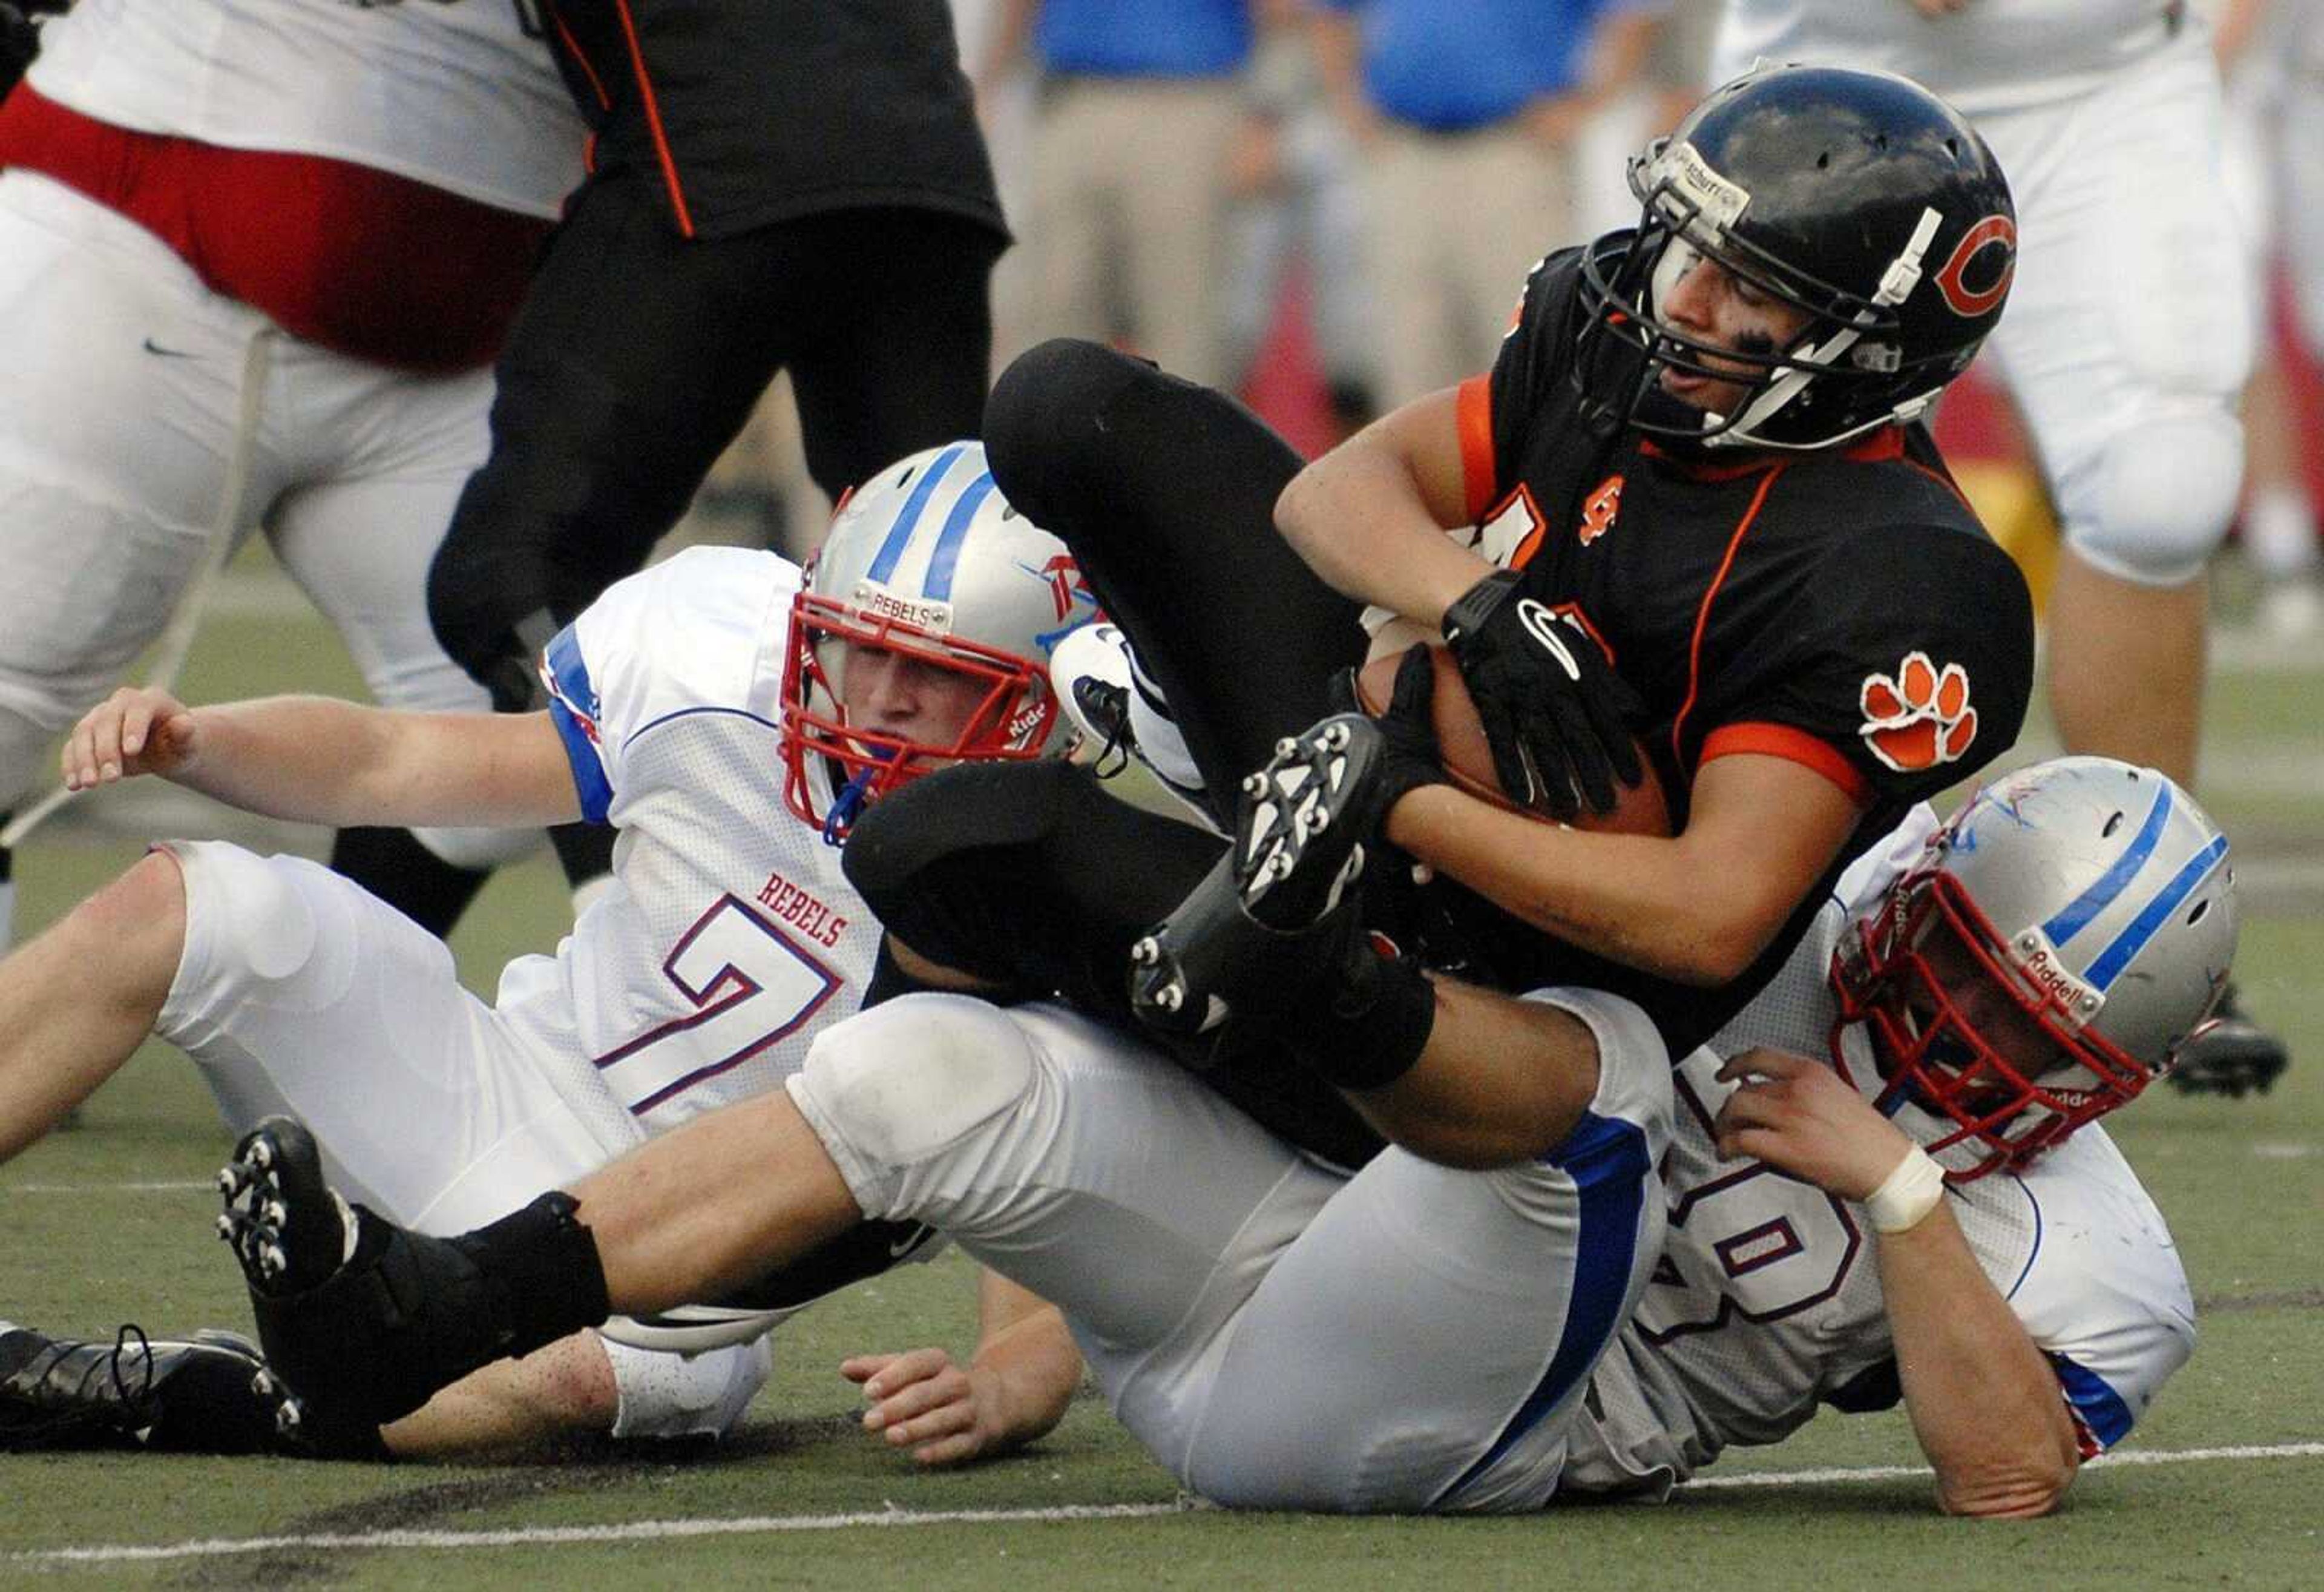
{"x": 1639, "y": 809}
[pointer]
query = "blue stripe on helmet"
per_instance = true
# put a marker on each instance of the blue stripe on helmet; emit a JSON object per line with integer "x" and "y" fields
{"x": 2077, "y": 913}
{"x": 900, "y": 535}
{"x": 2133, "y": 940}
{"x": 2099, "y": 1408}
{"x": 946, "y": 557}
{"x": 1607, "y": 1159}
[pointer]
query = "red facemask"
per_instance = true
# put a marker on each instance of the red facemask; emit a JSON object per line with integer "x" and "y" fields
{"x": 1010, "y": 719}
{"x": 1957, "y": 1032}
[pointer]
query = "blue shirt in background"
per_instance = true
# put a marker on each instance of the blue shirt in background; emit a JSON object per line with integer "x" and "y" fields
{"x": 1143, "y": 37}
{"x": 1453, "y": 65}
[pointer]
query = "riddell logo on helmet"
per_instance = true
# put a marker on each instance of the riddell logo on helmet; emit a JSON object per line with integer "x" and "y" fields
{"x": 2037, "y": 963}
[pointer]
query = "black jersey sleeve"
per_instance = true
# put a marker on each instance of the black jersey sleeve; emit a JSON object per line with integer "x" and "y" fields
{"x": 1529, "y": 373}
{"x": 1900, "y": 666}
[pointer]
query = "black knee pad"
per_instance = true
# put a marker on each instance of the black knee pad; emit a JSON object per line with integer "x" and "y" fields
{"x": 1042, "y": 416}
{"x": 1027, "y": 875}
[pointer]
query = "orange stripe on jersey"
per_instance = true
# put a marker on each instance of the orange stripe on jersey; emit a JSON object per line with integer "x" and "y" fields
{"x": 653, "y": 120}
{"x": 588, "y": 69}
{"x": 1702, "y": 614}
{"x": 1474, "y": 412}
{"x": 1792, "y": 745}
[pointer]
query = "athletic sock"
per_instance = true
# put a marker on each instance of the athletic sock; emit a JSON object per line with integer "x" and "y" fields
{"x": 1370, "y": 1028}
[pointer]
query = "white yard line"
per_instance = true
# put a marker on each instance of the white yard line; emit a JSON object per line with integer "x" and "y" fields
{"x": 647, "y": 1531}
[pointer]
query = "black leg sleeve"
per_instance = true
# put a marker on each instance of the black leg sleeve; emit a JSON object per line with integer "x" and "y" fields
{"x": 393, "y": 866}
{"x": 898, "y": 356}
{"x": 1165, "y": 492}
{"x": 1031, "y": 877}
{"x": 633, "y": 363}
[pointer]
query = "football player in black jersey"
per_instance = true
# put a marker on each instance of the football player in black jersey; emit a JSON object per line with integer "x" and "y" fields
{"x": 1690, "y": 504}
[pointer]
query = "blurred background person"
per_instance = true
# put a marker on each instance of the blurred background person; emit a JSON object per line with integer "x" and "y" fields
{"x": 793, "y": 185}
{"x": 1138, "y": 105}
{"x": 2275, "y": 57}
{"x": 256, "y": 257}
{"x": 2126, "y": 346}
{"x": 1297, "y": 243}
{"x": 1465, "y": 113}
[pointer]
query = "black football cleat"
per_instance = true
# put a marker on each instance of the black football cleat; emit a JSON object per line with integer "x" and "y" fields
{"x": 206, "y": 1393}
{"x": 289, "y": 1229}
{"x": 1252, "y": 931}
{"x": 2231, "y": 1055}
{"x": 365, "y": 1320}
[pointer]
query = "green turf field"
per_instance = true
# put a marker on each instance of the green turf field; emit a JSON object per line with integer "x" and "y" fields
{"x": 2218, "y": 1487}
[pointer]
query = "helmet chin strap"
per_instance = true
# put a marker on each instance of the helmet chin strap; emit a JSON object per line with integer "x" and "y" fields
{"x": 1896, "y": 283}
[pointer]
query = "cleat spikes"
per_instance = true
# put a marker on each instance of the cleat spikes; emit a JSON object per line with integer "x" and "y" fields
{"x": 261, "y": 1154}
{"x": 1295, "y": 854}
{"x": 227, "y": 1228}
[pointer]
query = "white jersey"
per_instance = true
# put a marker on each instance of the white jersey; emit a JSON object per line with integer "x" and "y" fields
{"x": 1993, "y": 55}
{"x": 463, "y": 97}
{"x": 729, "y": 936}
{"x": 1767, "y": 1303}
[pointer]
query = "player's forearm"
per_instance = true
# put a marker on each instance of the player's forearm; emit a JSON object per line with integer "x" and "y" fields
{"x": 1983, "y": 1400}
{"x": 1036, "y": 1367}
{"x": 1638, "y": 899}
{"x": 320, "y": 760}
{"x": 1357, "y": 518}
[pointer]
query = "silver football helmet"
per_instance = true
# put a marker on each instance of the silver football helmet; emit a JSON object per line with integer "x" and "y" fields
{"x": 2047, "y": 957}
{"x": 927, "y": 561}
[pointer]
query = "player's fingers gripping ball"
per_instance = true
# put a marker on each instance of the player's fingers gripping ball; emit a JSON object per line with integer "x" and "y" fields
{"x": 1553, "y": 709}
{"x": 1459, "y": 743}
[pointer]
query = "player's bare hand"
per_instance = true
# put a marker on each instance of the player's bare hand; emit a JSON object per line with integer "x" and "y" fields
{"x": 134, "y": 731}
{"x": 944, "y": 1413}
{"x": 1938, "y": 8}
{"x": 1802, "y": 1117}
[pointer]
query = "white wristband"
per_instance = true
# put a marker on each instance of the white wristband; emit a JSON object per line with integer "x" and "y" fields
{"x": 1908, "y": 1195}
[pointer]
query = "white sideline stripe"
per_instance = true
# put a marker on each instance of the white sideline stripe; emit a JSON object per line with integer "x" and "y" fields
{"x": 747, "y": 1525}
{"x": 1802, "y": 1478}
{"x": 204, "y": 1186}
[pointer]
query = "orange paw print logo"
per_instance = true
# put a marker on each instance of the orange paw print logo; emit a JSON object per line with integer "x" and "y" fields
{"x": 1920, "y": 717}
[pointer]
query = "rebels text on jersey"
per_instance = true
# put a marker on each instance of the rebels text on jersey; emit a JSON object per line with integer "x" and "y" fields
{"x": 729, "y": 937}
{"x": 1840, "y": 608}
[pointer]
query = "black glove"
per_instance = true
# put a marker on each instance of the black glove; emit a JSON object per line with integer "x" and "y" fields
{"x": 1555, "y": 711}
{"x": 1408, "y": 724}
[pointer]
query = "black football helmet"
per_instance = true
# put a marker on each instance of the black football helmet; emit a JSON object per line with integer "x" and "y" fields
{"x": 1857, "y": 197}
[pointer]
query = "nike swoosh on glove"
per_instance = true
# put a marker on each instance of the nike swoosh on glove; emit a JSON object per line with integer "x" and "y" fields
{"x": 1554, "y": 712}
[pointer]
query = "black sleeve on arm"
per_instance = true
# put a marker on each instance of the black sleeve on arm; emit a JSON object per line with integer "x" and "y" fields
{"x": 1910, "y": 654}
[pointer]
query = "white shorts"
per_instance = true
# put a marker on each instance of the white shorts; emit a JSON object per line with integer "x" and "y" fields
{"x": 299, "y": 992}
{"x": 123, "y": 399}
{"x": 2132, "y": 306}
{"x": 1278, "y": 1336}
